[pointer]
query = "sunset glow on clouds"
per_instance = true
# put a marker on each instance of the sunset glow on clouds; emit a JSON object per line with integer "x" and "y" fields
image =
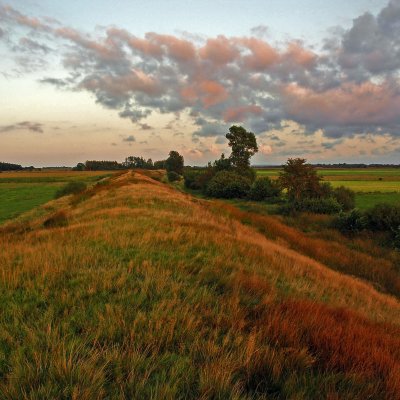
{"x": 339, "y": 103}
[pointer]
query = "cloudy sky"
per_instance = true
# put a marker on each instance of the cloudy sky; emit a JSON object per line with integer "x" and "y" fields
{"x": 103, "y": 80}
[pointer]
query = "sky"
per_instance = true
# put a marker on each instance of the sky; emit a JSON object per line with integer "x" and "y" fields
{"x": 82, "y": 80}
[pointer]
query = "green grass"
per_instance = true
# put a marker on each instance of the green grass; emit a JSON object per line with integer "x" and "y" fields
{"x": 369, "y": 186}
{"x": 19, "y": 194}
{"x": 368, "y": 200}
{"x": 17, "y": 199}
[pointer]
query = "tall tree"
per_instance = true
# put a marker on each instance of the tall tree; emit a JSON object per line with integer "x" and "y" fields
{"x": 174, "y": 163}
{"x": 244, "y": 146}
{"x": 300, "y": 180}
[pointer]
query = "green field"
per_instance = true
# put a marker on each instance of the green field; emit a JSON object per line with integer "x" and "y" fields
{"x": 23, "y": 191}
{"x": 372, "y": 185}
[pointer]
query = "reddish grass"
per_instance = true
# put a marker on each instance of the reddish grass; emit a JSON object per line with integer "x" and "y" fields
{"x": 381, "y": 272}
{"x": 341, "y": 341}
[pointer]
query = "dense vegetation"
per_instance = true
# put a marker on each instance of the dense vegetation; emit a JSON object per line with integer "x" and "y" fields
{"x": 131, "y": 162}
{"x": 9, "y": 167}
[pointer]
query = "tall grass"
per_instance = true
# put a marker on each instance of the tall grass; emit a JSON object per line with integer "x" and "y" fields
{"x": 148, "y": 293}
{"x": 379, "y": 270}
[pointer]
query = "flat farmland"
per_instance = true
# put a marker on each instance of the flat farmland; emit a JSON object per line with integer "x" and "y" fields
{"x": 372, "y": 185}
{"x": 23, "y": 191}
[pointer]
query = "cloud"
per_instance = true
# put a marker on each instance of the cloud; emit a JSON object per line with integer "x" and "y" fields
{"x": 145, "y": 127}
{"x": 29, "y": 45}
{"x": 349, "y": 88}
{"x": 23, "y": 126}
{"x": 54, "y": 81}
{"x": 238, "y": 114}
{"x": 129, "y": 138}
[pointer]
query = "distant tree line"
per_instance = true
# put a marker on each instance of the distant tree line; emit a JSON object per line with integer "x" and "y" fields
{"x": 9, "y": 167}
{"x": 13, "y": 167}
{"x": 130, "y": 162}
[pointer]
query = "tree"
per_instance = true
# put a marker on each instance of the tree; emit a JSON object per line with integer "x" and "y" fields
{"x": 228, "y": 185}
{"x": 244, "y": 146}
{"x": 174, "y": 162}
{"x": 263, "y": 189}
{"x": 79, "y": 167}
{"x": 223, "y": 164}
{"x": 300, "y": 180}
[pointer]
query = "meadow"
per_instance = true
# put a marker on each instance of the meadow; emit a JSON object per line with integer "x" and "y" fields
{"x": 372, "y": 185}
{"x": 23, "y": 191}
{"x": 134, "y": 290}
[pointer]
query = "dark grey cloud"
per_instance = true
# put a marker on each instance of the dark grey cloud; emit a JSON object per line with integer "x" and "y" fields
{"x": 350, "y": 88}
{"x": 332, "y": 144}
{"x": 54, "y": 82}
{"x": 23, "y": 126}
{"x": 129, "y": 138}
{"x": 29, "y": 45}
{"x": 211, "y": 129}
{"x": 145, "y": 127}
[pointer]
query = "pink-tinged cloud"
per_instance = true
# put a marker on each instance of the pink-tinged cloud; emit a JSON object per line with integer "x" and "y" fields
{"x": 178, "y": 49}
{"x": 238, "y": 114}
{"x": 146, "y": 47}
{"x": 262, "y": 54}
{"x": 208, "y": 92}
{"x": 212, "y": 93}
{"x": 135, "y": 81}
{"x": 350, "y": 104}
{"x": 106, "y": 50}
{"x": 219, "y": 51}
{"x": 229, "y": 79}
{"x": 297, "y": 54}
{"x": 143, "y": 46}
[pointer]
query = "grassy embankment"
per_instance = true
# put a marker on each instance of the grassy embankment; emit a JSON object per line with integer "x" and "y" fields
{"x": 23, "y": 191}
{"x": 372, "y": 185}
{"x": 146, "y": 292}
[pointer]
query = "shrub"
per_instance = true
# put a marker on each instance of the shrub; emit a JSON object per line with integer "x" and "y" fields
{"x": 71, "y": 188}
{"x": 345, "y": 197}
{"x": 173, "y": 176}
{"x": 192, "y": 179}
{"x": 228, "y": 185}
{"x": 56, "y": 220}
{"x": 205, "y": 178}
{"x": 383, "y": 217}
{"x": 352, "y": 222}
{"x": 249, "y": 173}
{"x": 263, "y": 189}
{"x": 319, "y": 206}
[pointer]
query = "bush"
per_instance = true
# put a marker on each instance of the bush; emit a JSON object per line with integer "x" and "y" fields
{"x": 249, "y": 173}
{"x": 263, "y": 189}
{"x": 56, "y": 220}
{"x": 319, "y": 206}
{"x": 345, "y": 197}
{"x": 173, "y": 176}
{"x": 228, "y": 185}
{"x": 205, "y": 178}
{"x": 383, "y": 217}
{"x": 71, "y": 188}
{"x": 192, "y": 179}
{"x": 352, "y": 222}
